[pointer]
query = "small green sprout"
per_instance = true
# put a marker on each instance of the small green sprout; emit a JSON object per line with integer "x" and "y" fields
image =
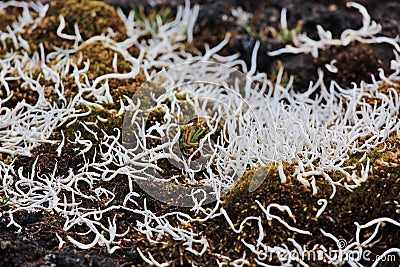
{"x": 4, "y": 201}
{"x": 153, "y": 18}
{"x": 283, "y": 34}
{"x": 275, "y": 68}
{"x": 248, "y": 29}
{"x": 191, "y": 134}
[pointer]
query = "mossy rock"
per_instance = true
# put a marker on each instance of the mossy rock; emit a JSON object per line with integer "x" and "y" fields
{"x": 93, "y": 18}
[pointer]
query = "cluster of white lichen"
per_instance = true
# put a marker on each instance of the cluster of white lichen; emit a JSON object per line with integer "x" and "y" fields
{"x": 259, "y": 128}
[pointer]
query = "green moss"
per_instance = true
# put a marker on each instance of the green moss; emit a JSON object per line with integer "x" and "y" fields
{"x": 152, "y": 17}
{"x": 275, "y": 68}
{"x": 93, "y": 18}
{"x": 94, "y": 123}
{"x": 70, "y": 157}
{"x": 101, "y": 60}
{"x": 126, "y": 87}
{"x": 373, "y": 199}
{"x": 285, "y": 36}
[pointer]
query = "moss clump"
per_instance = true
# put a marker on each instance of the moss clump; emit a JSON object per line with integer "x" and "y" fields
{"x": 93, "y": 18}
{"x": 92, "y": 120}
{"x": 375, "y": 198}
{"x": 70, "y": 157}
{"x": 101, "y": 62}
{"x": 119, "y": 88}
{"x": 101, "y": 59}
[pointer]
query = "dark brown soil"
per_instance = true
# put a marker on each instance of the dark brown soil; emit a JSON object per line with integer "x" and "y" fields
{"x": 37, "y": 245}
{"x": 215, "y": 21}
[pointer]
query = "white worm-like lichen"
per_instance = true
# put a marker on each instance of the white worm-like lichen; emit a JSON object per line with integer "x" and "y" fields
{"x": 366, "y": 34}
{"x": 315, "y": 135}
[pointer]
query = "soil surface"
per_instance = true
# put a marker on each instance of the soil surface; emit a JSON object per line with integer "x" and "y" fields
{"x": 215, "y": 21}
{"x": 37, "y": 245}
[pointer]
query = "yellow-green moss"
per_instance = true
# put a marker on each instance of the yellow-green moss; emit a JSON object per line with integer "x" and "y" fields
{"x": 101, "y": 59}
{"x": 373, "y": 199}
{"x": 93, "y": 18}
